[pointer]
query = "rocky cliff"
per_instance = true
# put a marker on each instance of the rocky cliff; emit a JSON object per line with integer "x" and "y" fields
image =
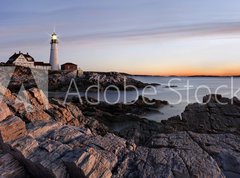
{"x": 61, "y": 80}
{"x": 75, "y": 140}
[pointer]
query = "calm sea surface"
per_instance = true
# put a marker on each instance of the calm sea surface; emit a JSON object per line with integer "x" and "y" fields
{"x": 187, "y": 90}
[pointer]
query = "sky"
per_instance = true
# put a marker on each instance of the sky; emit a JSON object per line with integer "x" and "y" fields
{"x": 153, "y": 37}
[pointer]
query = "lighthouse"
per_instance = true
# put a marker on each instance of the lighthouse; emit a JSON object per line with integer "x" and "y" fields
{"x": 54, "y": 52}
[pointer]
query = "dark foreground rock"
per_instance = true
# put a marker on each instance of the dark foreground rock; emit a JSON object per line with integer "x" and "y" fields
{"x": 10, "y": 167}
{"x": 221, "y": 115}
{"x": 71, "y": 143}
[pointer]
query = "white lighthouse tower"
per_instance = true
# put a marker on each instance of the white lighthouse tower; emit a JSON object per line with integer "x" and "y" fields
{"x": 54, "y": 52}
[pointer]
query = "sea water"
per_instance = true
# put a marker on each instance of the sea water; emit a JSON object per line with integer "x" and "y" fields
{"x": 185, "y": 90}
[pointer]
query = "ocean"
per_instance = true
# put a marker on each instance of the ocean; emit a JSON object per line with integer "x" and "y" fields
{"x": 184, "y": 91}
{"x": 188, "y": 90}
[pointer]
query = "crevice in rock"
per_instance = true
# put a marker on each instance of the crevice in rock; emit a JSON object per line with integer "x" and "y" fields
{"x": 201, "y": 146}
{"x": 187, "y": 167}
{"x": 119, "y": 163}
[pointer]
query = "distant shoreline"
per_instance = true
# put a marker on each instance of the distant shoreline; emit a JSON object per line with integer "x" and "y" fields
{"x": 139, "y": 75}
{"x": 194, "y": 76}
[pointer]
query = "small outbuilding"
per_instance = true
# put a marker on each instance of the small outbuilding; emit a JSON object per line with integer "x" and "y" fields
{"x": 69, "y": 66}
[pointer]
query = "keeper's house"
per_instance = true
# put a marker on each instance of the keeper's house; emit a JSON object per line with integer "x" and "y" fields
{"x": 25, "y": 60}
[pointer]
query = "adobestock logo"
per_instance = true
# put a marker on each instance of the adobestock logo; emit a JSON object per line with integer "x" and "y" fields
{"x": 21, "y": 79}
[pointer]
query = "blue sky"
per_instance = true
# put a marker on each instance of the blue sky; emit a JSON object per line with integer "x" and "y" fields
{"x": 139, "y": 36}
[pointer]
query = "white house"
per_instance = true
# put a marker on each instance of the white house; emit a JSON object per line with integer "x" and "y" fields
{"x": 25, "y": 60}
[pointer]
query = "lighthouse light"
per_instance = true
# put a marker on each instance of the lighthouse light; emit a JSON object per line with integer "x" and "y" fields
{"x": 54, "y": 37}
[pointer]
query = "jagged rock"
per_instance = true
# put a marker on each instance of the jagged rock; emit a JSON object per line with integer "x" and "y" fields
{"x": 4, "y": 111}
{"x": 197, "y": 117}
{"x": 95, "y": 126}
{"x": 40, "y": 129}
{"x": 70, "y": 134}
{"x": 6, "y": 95}
{"x": 12, "y": 128}
{"x": 31, "y": 106}
{"x": 38, "y": 103}
{"x": 38, "y": 157}
{"x": 87, "y": 163}
{"x": 112, "y": 78}
{"x": 67, "y": 114}
{"x": 42, "y": 154}
{"x": 34, "y": 106}
{"x": 38, "y": 98}
{"x": 37, "y": 115}
{"x": 61, "y": 81}
{"x": 203, "y": 143}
